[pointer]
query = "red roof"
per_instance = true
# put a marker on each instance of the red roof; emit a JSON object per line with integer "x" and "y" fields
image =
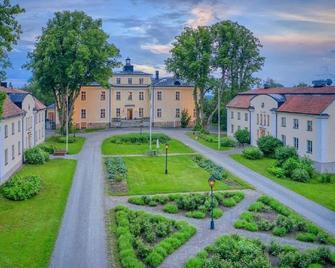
{"x": 10, "y": 109}
{"x": 306, "y": 104}
{"x": 240, "y": 101}
{"x": 39, "y": 105}
{"x": 292, "y": 90}
{"x": 12, "y": 90}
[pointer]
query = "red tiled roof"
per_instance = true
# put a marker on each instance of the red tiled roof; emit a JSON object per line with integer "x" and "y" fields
{"x": 292, "y": 90}
{"x": 240, "y": 101}
{"x": 10, "y": 109}
{"x": 12, "y": 90}
{"x": 39, "y": 105}
{"x": 306, "y": 104}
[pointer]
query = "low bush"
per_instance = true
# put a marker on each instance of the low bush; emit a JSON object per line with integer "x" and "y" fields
{"x": 197, "y": 214}
{"x": 21, "y": 188}
{"x": 306, "y": 237}
{"x": 170, "y": 208}
{"x": 36, "y": 156}
{"x": 217, "y": 213}
{"x": 136, "y": 200}
{"x": 116, "y": 169}
{"x": 252, "y": 153}
{"x": 276, "y": 171}
{"x": 49, "y": 148}
{"x": 279, "y": 231}
{"x": 300, "y": 175}
{"x": 268, "y": 145}
{"x": 229, "y": 202}
{"x": 256, "y": 207}
{"x": 137, "y": 138}
{"x": 283, "y": 153}
{"x": 243, "y": 224}
{"x": 326, "y": 178}
{"x": 227, "y": 142}
{"x": 242, "y": 136}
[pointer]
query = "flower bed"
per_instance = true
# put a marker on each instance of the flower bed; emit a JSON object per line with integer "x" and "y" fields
{"x": 145, "y": 240}
{"x": 117, "y": 172}
{"x": 193, "y": 205}
{"x": 137, "y": 138}
{"x": 268, "y": 215}
{"x": 237, "y": 251}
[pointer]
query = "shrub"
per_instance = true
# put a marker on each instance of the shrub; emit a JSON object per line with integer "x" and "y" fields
{"x": 289, "y": 165}
{"x": 229, "y": 202}
{"x": 49, "y": 148}
{"x": 217, "y": 213}
{"x": 243, "y": 224}
{"x": 197, "y": 214}
{"x": 252, "y": 153}
{"x": 227, "y": 142}
{"x": 256, "y": 207}
{"x": 136, "y": 200}
{"x": 279, "y": 231}
{"x": 326, "y": 178}
{"x": 185, "y": 118}
{"x": 307, "y": 164}
{"x": 242, "y": 136}
{"x": 21, "y": 188}
{"x": 137, "y": 138}
{"x": 116, "y": 169}
{"x": 283, "y": 153}
{"x": 268, "y": 145}
{"x": 306, "y": 237}
{"x": 36, "y": 156}
{"x": 301, "y": 175}
{"x": 170, "y": 208}
{"x": 277, "y": 171}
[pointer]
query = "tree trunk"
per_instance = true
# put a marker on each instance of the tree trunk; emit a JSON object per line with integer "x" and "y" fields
{"x": 210, "y": 117}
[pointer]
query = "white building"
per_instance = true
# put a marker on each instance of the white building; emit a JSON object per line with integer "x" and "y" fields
{"x": 300, "y": 117}
{"x": 21, "y": 127}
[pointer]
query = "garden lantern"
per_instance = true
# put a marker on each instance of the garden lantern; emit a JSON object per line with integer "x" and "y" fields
{"x": 166, "y": 157}
{"x": 211, "y": 182}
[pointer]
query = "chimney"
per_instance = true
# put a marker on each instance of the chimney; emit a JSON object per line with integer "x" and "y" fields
{"x": 3, "y": 84}
{"x": 157, "y": 75}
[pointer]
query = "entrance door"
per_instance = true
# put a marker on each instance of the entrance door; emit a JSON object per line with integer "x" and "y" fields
{"x": 129, "y": 114}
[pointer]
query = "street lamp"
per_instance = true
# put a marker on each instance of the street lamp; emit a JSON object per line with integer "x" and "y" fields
{"x": 211, "y": 182}
{"x": 166, "y": 157}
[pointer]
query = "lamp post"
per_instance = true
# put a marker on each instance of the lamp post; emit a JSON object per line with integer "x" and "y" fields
{"x": 166, "y": 157}
{"x": 211, "y": 182}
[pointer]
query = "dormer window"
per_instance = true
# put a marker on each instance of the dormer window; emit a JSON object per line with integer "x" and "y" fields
{"x": 118, "y": 80}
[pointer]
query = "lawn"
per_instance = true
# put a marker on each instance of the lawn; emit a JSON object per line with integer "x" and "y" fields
{"x": 211, "y": 142}
{"x": 74, "y": 148}
{"x": 28, "y": 229}
{"x": 146, "y": 176}
{"x": 322, "y": 193}
{"x": 109, "y": 148}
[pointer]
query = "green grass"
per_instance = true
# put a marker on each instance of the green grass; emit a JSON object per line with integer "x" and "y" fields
{"x": 90, "y": 130}
{"x": 146, "y": 176}
{"x": 74, "y": 148}
{"x": 28, "y": 229}
{"x": 322, "y": 193}
{"x": 213, "y": 144}
{"x": 109, "y": 148}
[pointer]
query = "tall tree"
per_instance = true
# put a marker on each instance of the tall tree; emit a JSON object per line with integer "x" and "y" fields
{"x": 10, "y": 31}
{"x": 270, "y": 83}
{"x": 34, "y": 88}
{"x": 72, "y": 51}
{"x": 190, "y": 59}
{"x": 301, "y": 84}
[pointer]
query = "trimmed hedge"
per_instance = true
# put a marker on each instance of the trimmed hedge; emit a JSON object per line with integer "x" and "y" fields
{"x": 21, "y": 188}
{"x": 136, "y": 138}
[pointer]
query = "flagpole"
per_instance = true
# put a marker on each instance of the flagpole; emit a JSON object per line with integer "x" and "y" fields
{"x": 67, "y": 121}
{"x": 150, "y": 127}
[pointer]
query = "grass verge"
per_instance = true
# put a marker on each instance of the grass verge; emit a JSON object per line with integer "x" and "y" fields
{"x": 211, "y": 144}
{"x": 74, "y": 148}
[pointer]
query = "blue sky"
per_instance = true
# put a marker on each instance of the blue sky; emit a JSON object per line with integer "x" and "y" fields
{"x": 298, "y": 36}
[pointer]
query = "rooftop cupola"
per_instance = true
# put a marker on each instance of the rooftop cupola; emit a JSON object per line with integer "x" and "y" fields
{"x": 128, "y": 67}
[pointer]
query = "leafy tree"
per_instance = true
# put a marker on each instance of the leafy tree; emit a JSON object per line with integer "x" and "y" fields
{"x": 271, "y": 83}
{"x": 191, "y": 60}
{"x": 301, "y": 84}
{"x": 10, "y": 31}
{"x": 242, "y": 136}
{"x": 268, "y": 145}
{"x": 46, "y": 97}
{"x": 72, "y": 51}
{"x": 185, "y": 119}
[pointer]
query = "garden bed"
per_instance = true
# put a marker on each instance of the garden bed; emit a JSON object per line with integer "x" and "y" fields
{"x": 59, "y": 143}
{"x": 238, "y": 251}
{"x": 211, "y": 140}
{"x": 116, "y": 173}
{"x": 268, "y": 215}
{"x": 145, "y": 240}
{"x": 195, "y": 205}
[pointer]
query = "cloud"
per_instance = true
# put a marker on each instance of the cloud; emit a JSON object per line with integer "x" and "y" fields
{"x": 297, "y": 38}
{"x": 324, "y": 16}
{"x": 202, "y": 15}
{"x": 157, "y": 48}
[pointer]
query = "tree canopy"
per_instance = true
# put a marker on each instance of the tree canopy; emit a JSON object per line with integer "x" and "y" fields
{"x": 72, "y": 51}
{"x": 10, "y": 31}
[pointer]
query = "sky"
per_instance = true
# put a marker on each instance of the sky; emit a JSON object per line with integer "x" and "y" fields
{"x": 298, "y": 36}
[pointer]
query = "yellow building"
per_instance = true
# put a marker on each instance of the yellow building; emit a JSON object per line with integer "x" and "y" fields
{"x": 129, "y": 100}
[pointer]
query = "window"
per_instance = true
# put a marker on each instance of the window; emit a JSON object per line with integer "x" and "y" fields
{"x": 118, "y": 81}
{"x": 141, "y": 81}
{"x": 232, "y": 128}
{"x": 6, "y": 131}
{"x": 283, "y": 121}
{"x": 159, "y": 95}
{"x": 118, "y": 95}
{"x": 309, "y": 147}
{"x": 6, "y": 157}
{"x": 159, "y": 113}
{"x": 177, "y": 113}
{"x": 83, "y": 113}
{"x": 140, "y": 112}
{"x": 309, "y": 125}
{"x": 19, "y": 126}
{"x": 296, "y": 143}
{"x": 19, "y": 148}
{"x": 246, "y": 117}
{"x": 118, "y": 112}
{"x": 130, "y": 95}
{"x": 238, "y": 127}
{"x": 261, "y": 119}
{"x": 102, "y": 113}
{"x": 283, "y": 139}
{"x": 130, "y": 81}
{"x": 262, "y": 105}
{"x": 141, "y": 95}
{"x": 103, "y": 95}
{"x": 238, "y": 116}
{"x": 177, "y": 95}
{"x": 83, "y": 95}
{"x": 268, "y": 120}
{"x": 232, "y": 115}
{"x": 13, "y": 128}
{"x": 13, "y": 152}
{"x": 295, "y": 123}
